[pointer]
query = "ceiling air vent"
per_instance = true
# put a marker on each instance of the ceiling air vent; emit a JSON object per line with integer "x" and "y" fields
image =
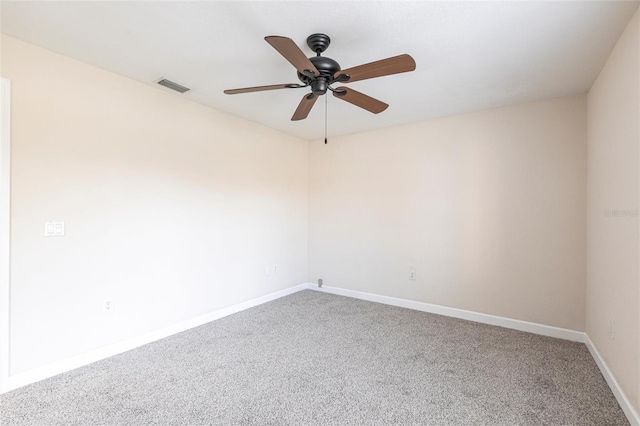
{"x": 173, "y": 86}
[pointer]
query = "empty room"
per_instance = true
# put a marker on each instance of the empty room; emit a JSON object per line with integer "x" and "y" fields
{"x": 320, "y": 213}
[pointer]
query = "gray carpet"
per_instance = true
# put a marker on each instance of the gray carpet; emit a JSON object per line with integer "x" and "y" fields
{"x": 318, "y": 359}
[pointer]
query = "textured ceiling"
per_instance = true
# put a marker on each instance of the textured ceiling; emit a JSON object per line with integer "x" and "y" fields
{"x": 469, "y": 55}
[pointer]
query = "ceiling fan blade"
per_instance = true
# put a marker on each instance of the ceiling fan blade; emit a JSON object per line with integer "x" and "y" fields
{"x": 292, "y": 53}
{"x": 360, "y": 99}
{"x": 262, "y": 88}
{"x": 394, "y": 65}
{"x": 304, "y": 107}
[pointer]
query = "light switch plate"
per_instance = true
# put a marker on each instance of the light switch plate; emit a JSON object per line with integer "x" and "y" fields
{"x": 53, "y": 229}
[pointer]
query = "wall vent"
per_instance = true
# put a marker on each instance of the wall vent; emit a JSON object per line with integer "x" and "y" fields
{"x": 173, "y": 86}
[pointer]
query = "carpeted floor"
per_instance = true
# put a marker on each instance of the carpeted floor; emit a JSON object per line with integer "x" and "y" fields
{"x": 319, "y": 359}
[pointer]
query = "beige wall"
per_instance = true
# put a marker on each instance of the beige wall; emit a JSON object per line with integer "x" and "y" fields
{"x": 171, "y": 208}
{"x": 174, "y": 209}
{"x": 488, "y": 208}
{"x": 613, "y": 278}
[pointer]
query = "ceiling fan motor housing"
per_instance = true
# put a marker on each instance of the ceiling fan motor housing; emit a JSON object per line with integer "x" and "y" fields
{"x": 327, "y": 68}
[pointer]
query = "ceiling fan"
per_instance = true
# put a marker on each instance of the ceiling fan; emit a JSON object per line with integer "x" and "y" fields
{"x": 320, "y": 72}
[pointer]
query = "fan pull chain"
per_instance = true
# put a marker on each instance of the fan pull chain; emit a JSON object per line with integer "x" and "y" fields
{"x": 326, "y": 100}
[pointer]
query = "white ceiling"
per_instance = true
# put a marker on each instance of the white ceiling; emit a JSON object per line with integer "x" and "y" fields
{"x": 470, "y": 55}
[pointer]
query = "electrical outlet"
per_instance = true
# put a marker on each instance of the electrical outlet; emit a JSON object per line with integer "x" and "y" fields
{"x": 412, "y": 275}
{"x": 612, "y": 331}
{"x": 108, "y": 305}
{"x": 320, "y": 283}
{"x": 275, "y": 268}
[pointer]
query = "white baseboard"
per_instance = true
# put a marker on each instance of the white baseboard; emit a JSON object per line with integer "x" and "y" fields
{"x": 41, "y": 373}
{"x": 625, "y": 404}
{"x": 530, "y": 327}
{"x": 545, "y": 330}
{"x": 53, "y": 369}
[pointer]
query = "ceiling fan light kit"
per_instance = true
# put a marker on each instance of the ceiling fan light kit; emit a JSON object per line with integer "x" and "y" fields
{"x": 320, "y": 72}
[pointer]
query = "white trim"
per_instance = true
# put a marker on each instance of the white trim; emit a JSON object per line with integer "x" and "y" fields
{"x": 64, "y": 365}
{"x": 530, "y": 327}
{"x": 5, "y": 227}
{"x": 625, "y": 404}
{"x": 68, "y": 364}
